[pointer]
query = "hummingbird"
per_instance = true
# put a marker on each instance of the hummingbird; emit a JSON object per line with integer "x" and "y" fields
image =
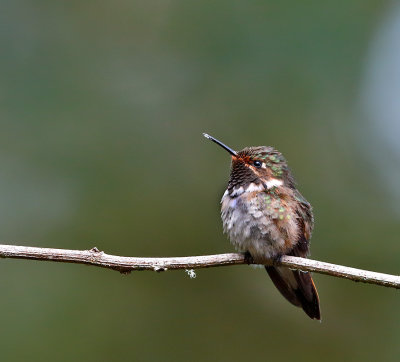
{"x": 266, "y": 217}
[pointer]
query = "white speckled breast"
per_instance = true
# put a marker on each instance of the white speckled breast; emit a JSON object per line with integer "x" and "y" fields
{"x": 250, "y": 226}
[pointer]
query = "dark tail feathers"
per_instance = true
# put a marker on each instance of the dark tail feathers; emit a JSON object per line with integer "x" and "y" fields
{"x": 298, "y": 288}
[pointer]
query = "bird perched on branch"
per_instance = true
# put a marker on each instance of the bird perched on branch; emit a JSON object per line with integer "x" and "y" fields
{"x": 265, "y": 215}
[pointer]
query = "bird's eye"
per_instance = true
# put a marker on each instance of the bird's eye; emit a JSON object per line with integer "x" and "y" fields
{"x": 257, "y": 164}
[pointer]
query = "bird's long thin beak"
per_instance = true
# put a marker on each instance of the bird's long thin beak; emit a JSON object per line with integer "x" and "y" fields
{"x": 232, "y": 152}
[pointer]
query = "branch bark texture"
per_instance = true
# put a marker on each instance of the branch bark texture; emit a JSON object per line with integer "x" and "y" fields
{"x": 125, "y": 264}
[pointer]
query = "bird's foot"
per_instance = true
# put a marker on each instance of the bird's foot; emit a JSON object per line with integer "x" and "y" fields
{"x": 248, "y": 258}
{"x": 276, "y": 260}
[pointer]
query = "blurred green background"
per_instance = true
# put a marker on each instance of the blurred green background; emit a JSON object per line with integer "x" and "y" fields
{"x": 102, "y": 109}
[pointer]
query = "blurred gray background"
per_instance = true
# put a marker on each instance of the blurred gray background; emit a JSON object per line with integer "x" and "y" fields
{"x": 102, "y": 109}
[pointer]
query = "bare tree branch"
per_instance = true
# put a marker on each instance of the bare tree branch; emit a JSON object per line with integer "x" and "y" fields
{"x": 127, "y": 264}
